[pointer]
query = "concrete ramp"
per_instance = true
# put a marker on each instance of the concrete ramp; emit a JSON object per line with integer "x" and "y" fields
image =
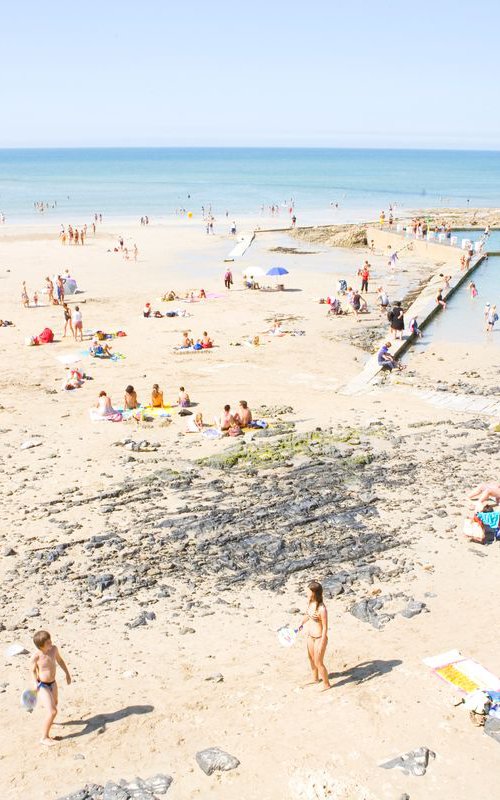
{"x": 244, "y": 242}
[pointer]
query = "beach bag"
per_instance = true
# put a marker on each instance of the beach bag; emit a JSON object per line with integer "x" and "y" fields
{"x": 46, "y": 336}
{"x": 473, "y": 528}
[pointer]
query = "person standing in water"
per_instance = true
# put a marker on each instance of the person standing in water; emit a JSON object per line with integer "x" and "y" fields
{"x": 491, "y": 318}
{"x": 316, "y": 620}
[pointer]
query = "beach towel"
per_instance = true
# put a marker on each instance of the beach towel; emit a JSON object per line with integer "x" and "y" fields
{"x": 116, "y": 416}
{"x": 114, "y": 357}
{"x": 69, "y": 358}
{"x": 464, "y": 674}
{"x": 212, "y": 433}
{"x": 181, "y": 350}
{"x": 143, "y": 412}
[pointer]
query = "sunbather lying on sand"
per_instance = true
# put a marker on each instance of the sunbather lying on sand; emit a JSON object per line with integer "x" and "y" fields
{"x": 73, "y": 379}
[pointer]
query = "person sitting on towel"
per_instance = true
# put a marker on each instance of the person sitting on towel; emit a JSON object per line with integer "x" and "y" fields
{"x": 130, "y": 401}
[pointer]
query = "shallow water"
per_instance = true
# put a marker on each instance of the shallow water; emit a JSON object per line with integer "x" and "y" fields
{"x": 463, "y": 320}
{"x": 129, "y": 182}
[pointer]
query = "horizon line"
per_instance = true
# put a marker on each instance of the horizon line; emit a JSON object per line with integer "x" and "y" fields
{"x": 384, "y": 148}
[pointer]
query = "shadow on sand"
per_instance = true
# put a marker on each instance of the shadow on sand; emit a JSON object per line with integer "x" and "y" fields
{"x": 99, "y": 721}
{"x": 365, "y": 671}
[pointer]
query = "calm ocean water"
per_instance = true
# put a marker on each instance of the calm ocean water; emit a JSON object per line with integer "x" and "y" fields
{"x": 155, "y": 181}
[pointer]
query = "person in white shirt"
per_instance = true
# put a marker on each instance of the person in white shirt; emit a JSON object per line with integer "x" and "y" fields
{"x": 77, "y": 323}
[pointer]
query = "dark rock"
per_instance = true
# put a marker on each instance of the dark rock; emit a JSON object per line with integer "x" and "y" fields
{"x": 100, "y": 582}
{"x": 367, "y": 611}
{"x": 184, "y": 631}
{"x": 217, "y": 677}
{"x": 214, "y": 759}
{"x": 413, "y": 608}
{"x": 9, "y": 551}
{"x": 137, "y": 622}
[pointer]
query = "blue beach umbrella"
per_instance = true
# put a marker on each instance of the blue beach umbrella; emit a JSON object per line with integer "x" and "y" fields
{"x": 277, "y": 271}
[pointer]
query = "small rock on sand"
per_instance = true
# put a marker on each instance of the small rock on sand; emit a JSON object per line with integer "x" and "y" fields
{"x": 214, "y": 759}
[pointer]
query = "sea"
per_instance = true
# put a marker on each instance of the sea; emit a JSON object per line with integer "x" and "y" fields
{"x": 322, "y": 185}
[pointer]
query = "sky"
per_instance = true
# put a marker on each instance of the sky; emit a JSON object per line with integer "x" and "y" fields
{"x": 191, "y": 73}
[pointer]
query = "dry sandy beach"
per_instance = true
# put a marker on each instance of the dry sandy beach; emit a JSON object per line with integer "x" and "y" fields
{"x": 207, "y": 546}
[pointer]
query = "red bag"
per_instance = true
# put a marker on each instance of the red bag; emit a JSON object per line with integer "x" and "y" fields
{"x": 46, "y": 336}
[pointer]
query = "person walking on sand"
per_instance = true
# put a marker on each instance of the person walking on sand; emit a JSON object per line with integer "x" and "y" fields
{"x": 228, "y": 279}
{"x": 44, "y": 664}
{"x": 78, "y": 323}
{"x": 67, "y": 321}
{"x": 396, "y": 318}
{"x": 316, "y": 620}
{"x": 24, "y": 296}
{"x": 365, "y": 277}
{"x": 136, "y": 252}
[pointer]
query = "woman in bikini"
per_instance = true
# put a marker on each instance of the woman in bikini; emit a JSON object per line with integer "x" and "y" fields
{"x": 316, "y": 619}
{"x": 156, "y": 397}
{"x": 67, "y": 320}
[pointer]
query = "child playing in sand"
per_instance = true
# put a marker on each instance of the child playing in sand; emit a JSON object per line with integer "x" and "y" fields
{"x": 156, "y": 397}
{"x": 43, "y": 666}
{"x": 183, "y": 400}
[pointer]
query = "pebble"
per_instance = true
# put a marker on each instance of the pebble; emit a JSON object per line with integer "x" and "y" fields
{"x": 214, "y": 759}
{"x": 217, "y": 677}
{"x": 29, "y": 443}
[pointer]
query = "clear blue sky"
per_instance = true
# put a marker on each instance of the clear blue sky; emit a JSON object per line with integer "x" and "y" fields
{"x": 322, "y": 73}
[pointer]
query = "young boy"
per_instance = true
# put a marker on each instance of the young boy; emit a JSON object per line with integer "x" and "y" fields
{"x": 43, "y": 665}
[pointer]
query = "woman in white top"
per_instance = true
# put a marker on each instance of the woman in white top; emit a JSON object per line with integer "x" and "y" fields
{"x": 77, "y": 323}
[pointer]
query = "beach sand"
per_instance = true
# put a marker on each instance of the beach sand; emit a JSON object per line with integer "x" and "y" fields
{"x": 140, "y": 702}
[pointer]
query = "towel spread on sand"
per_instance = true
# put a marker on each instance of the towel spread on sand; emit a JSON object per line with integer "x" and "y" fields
{"x": 145, "y": 411}
{"x": 464, "y": 674}
{"x": 95, "y": 416}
